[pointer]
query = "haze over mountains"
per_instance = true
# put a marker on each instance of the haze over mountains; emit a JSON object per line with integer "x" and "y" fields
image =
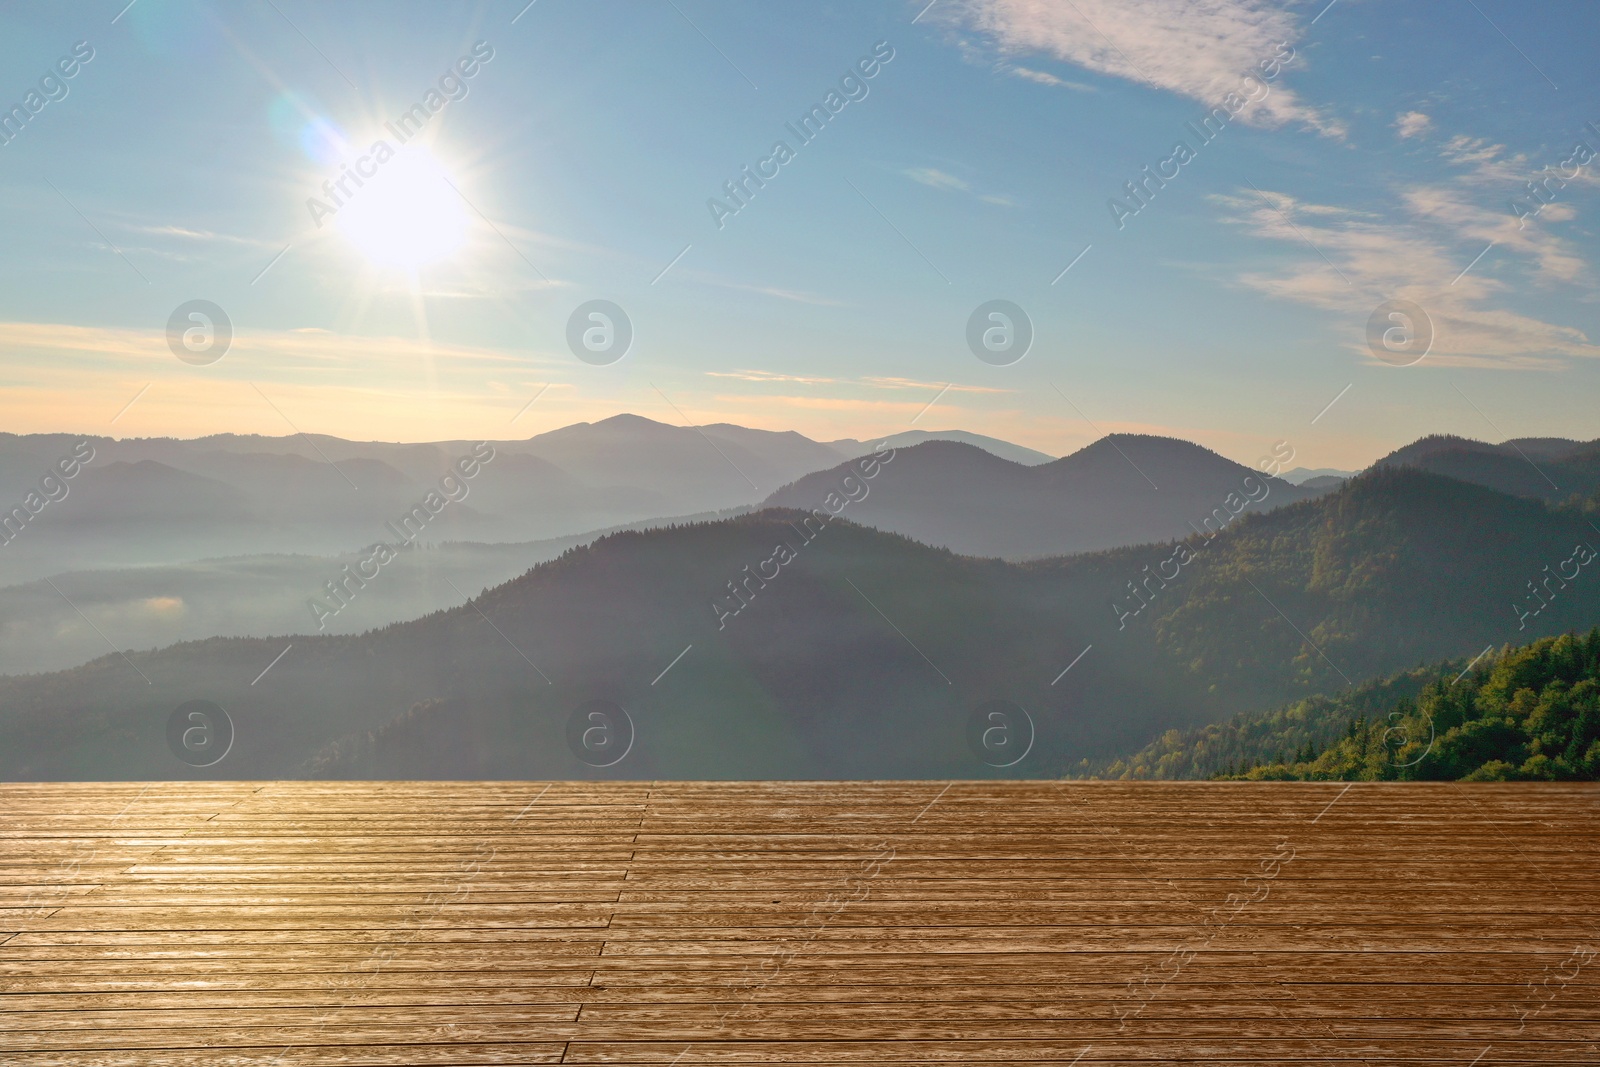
{"x": 1124, "y": 489}
{"x": 863, "y": 656}
{"x": 166, "y": 501}
{"x": 46, "y": 625}
{"x": 162, "y": 540}
{"x": 1028, "y": 457}
{"x": 163, "y": 500}
{"x": 1443, "y": 546}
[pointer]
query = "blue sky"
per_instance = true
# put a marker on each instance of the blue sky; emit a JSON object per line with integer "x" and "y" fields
{"x": 1230, "y": 309}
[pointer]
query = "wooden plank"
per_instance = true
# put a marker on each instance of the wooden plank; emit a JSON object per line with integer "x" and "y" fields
{"x": 805, "y": 923}
{"x": 448, "y": 1052}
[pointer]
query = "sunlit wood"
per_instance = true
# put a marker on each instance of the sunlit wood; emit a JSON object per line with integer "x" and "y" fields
{"x": 889, "y": 922}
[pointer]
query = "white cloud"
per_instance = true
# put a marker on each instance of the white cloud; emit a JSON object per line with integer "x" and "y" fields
{"x": 1554, "y": 259}
{"x": 912, "y": 383}
{"x": 1412, "y": 124}
{"x": 1491, "y": 165}
{"x": 98, "y": 349}
{"x": 1355, "y": 261}
{"x": 1485, "y": 162}
{"x": 770, "y": 376}
{"x": 797, "y": 296}
{"x": 747, "y": 375}
{"x": 1195, "y": 48}
{"x": 938, "y": 179}
{"x": 196, "y": 235}
{"x": 1048, "y": 79}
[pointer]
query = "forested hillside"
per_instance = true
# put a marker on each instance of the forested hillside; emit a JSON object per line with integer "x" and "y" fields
{"x": 1525, "y": 713}
{"x": 1547, "y": 468}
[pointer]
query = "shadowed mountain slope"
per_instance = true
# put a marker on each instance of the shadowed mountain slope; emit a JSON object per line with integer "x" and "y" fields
{"x": 1122, "y": 490}
{"x": 1549, "y": 468}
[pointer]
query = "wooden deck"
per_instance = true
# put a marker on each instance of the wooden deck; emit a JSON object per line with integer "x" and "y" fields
{"x": 888, "y": 923}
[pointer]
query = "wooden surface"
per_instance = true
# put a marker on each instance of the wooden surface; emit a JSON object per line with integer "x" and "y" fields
{"x": 818, "y": 923}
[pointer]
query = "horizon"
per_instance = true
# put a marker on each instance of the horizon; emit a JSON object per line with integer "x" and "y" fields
{"x": 1297, "y": 463}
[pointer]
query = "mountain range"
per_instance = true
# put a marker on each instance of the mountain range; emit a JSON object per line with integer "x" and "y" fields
{"x": 143, "y": 501}
{"x": 1305, "y": 475}
{"x": 1124, "y": 489}
{"x": 1028, "y": 457}
{"x": 254, "y": 535}
{"x": 168, "y": 501}
{"x": 773, "y": 644}
{"x": 1549, "y": 468}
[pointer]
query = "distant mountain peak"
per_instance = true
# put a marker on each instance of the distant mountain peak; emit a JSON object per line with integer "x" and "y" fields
{"x": 625, "y": 418}
{"x": 1028, "y": 457}
{"x": 1550, "y": 468}
{"x": 1123, "y": 489}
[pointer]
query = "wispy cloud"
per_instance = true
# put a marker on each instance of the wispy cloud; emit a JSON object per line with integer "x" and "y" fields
{"x": 898, "y": 410}
{"x": 1554, "y": 259}
{"x": 299, "y": 348}
{"x": 795, "y": 296}
{"x": 377, "y": 387}
{"x": 769, "y": 376}
{"x": 1197, "y": 50}
{"x": 1044, "y": 78}
{"x": 871, "y": 382}
{"x": 912, "y": 383}
{"x": 1357, "y": 260}
{"x": 1485, "y": 162}
{"x": 206, "y": 236}
{"x": 938, "y": 179}
{"x": 1412, "y": 124}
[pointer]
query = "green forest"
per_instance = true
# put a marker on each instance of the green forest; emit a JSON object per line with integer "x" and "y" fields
{"x": 1529, "y": 713}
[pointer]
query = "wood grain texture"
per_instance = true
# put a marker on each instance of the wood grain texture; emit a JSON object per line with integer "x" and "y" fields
{"x": 890, "y": 923}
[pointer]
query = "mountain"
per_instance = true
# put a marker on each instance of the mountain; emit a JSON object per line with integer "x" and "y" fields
{"x": 310, "y": 494}
{"x": 1124, "y": 489}
{"x": 697, "y": 468}
{"x": 1529, "y": 713}
{"x": 1547, "y": 468}
{"x": 1548, "y": 447}
{"x": 774, "y": 645}
{"x": 1304, "y": 475}
{"x": 164, "y": 501}
{"x": 146, "y": 491}
{"x": 1028, "y": 457}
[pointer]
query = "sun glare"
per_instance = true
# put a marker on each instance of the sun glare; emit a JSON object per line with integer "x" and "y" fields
{"x": 406, "y": 215}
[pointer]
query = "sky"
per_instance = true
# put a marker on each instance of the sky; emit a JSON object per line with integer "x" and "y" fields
{"x": 1367, "y": 159}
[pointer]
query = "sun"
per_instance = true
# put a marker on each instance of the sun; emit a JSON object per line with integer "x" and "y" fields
{"x": 406, "y": 215}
